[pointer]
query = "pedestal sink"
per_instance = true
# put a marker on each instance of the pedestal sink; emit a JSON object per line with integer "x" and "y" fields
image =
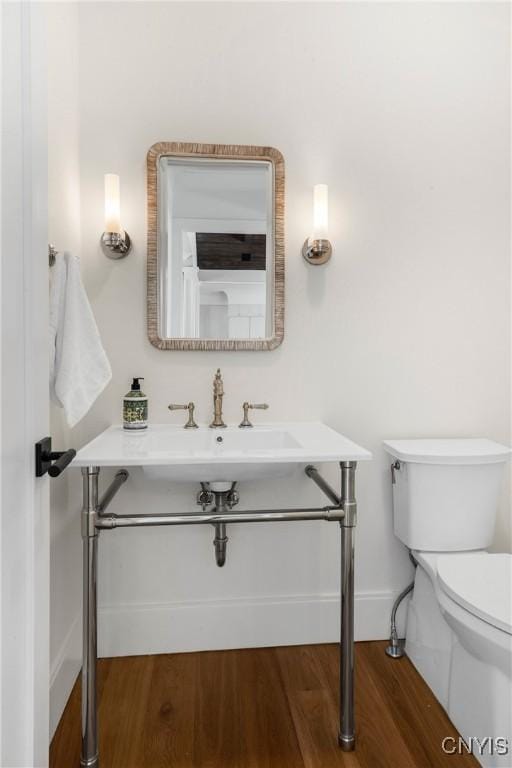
{"x": 172, "y": 453}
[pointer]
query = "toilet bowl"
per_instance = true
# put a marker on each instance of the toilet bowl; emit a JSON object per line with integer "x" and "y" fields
{"x": 459, "y": 623}
{"x": 459, "y": 637}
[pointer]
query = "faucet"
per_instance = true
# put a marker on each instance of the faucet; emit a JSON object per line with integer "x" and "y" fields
{"x": 246, "y": 406}
{"x": 218, "y": 394}
{"x": 190, "y": 408}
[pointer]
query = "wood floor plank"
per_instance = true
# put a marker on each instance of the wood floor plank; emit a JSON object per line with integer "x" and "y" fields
{"x": 259, "y": 708}
{"x": 314, "y": 708}
{"x": 216, "y": 730}
{"x": 422, "y": 721}
{"x": 122, "y": 711}
{"x": 379, "y": 742}
{"x": 315, "y": 705}
{"x": 169, "y": 722}
{"x": 266, "y": 725}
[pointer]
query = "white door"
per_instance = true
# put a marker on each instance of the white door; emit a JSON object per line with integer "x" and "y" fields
{"x": 24, "y": 508}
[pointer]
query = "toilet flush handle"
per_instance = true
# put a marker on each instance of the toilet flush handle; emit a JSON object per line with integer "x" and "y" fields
{"x": 395, "y": 465}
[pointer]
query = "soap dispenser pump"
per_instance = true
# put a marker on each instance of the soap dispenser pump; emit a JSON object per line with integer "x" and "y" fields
{"x": 135, "y": 407}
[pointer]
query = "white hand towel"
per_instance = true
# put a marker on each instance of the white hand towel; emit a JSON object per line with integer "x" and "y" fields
{"x": 57, "y": 303}
{"x": 80, "y": 370}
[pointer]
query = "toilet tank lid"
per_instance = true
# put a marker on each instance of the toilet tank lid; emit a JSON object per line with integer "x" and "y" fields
{"x": 481, "y": 583}
{"x": 448, "y": 450}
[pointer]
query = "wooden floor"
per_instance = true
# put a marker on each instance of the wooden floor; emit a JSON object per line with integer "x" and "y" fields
{"x": 258, "y": 708}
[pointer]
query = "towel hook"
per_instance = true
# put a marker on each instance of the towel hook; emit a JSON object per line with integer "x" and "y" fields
{"x": 45, "y": 456}
{"x": 52, "y": 253}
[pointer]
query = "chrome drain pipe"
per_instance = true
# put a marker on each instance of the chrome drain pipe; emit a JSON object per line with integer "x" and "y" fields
{"x": 220, "y": 543}
{"x": 222, "y": 507}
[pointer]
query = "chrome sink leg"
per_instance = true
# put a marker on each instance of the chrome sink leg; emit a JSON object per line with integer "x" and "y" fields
{"x": 89, "y": 753}
{"x": 346, "y": 737}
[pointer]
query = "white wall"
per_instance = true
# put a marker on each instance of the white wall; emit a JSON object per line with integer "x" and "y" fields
{"x": 404, "y": 111}
{"x": 64, "y": 233}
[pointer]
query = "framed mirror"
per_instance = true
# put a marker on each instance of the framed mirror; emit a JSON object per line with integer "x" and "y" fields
{"x": 215, "y": 247}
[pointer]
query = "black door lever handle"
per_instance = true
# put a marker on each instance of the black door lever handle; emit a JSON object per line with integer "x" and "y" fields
{"x": 53, "y": 462}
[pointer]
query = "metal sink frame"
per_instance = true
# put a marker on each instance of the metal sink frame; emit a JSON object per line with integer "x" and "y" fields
{"x": 342, "y": 509}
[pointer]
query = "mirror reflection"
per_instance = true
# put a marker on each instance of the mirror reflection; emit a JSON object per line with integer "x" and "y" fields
{"x": 216, "y": 246}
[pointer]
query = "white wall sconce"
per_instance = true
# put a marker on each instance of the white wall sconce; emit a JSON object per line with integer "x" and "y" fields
{"x": 317, "y": 249}
{"x": 115, "y": 242}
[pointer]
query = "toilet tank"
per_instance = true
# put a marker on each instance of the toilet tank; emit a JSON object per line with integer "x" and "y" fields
{"x": 445, "y": 492}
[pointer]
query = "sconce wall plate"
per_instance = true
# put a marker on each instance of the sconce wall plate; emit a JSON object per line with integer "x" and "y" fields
{"x": 316, "y": 251}
{"x": 115, "y": 245}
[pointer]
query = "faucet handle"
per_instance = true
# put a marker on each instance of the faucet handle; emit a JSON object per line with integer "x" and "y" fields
{"x": 246, "y": 406}
{"x": 190, "y": 407}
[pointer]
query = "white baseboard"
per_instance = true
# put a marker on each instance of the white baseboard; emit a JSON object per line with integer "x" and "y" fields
{"x": 135, "y": 629}
{"x": 64, "y": 671}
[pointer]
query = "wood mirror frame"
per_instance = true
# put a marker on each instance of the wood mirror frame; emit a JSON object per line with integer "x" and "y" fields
{"x": 231, "y": 152}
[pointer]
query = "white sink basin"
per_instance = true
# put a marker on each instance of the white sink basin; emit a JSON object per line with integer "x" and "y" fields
{"x": 219, "y": 455}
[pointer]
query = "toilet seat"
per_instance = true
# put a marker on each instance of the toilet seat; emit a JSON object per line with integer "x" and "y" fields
{"x": 481, "y": 583}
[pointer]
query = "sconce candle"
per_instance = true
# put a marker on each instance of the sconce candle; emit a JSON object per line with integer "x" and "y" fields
{"x": 112, "y": 204}
{"x": 320, "y": 211}
{"x": 115, "y": 242}
{"x": 317, "y": 248}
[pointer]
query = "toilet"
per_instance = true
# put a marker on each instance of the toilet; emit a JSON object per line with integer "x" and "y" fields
{"x": 459, "y": 623}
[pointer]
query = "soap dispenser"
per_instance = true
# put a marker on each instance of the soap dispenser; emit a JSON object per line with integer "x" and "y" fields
{"x": 135, "y": 407}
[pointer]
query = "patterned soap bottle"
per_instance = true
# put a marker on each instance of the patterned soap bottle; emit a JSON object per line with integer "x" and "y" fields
{"x": 135, "y": 407}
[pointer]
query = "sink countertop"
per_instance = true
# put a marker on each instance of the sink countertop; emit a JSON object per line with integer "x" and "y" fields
{"x": 169, "y": 444}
